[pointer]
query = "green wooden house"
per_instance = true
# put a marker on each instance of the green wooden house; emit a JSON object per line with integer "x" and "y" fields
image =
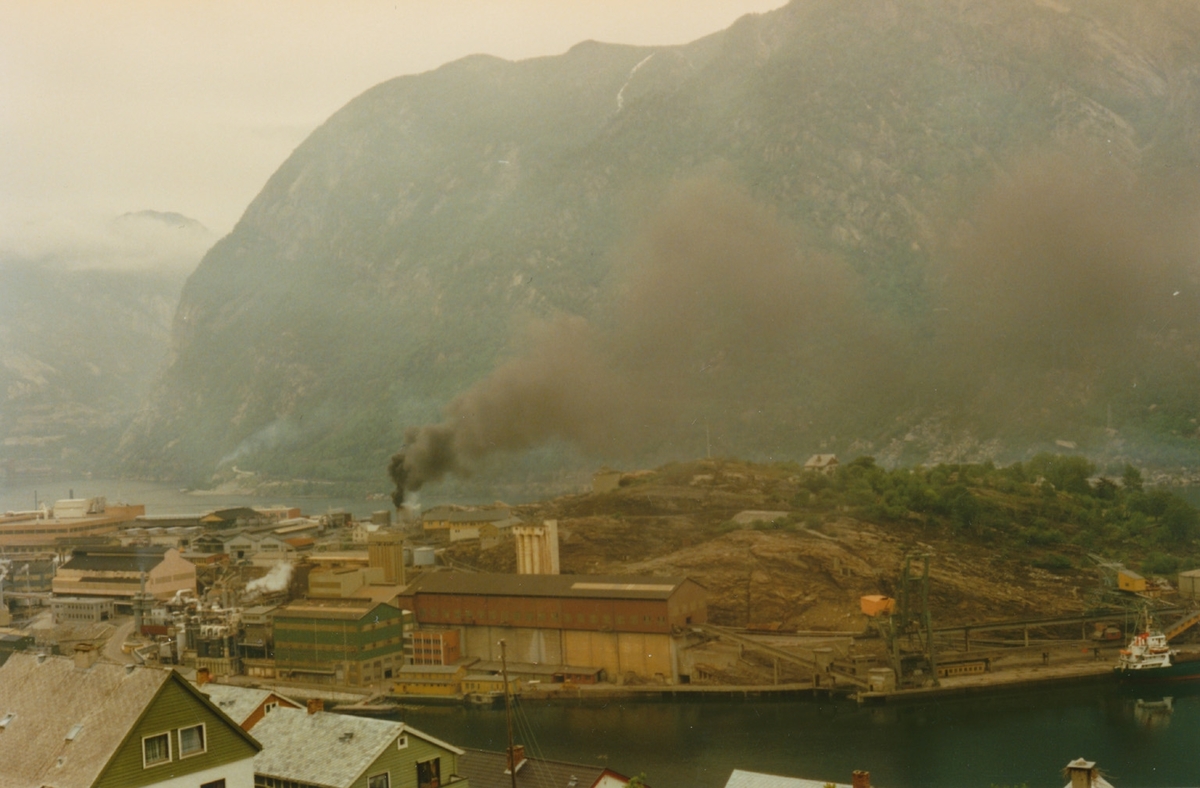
{"x": 318, "y": 749}
{"x": 80, "y": 723}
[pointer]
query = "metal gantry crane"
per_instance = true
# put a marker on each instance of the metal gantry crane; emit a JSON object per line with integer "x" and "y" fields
{"x": 911, "y": 621}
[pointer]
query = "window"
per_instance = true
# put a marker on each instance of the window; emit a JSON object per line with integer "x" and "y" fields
{"x": 191, "y": 741}
{"x": 214, "y": 784}
{"x": 379, "y": 781}
{"x": 402, "y": 742}
{"x": 429, "y": 773}
{"x": 267, "y": 709}
{"x": 156, "y": 750}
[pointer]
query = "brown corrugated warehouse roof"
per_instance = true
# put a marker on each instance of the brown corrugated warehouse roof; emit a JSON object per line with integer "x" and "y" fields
{"x": 327, "y": 607}
{"x": 116, "y": 559}
{"x": 587, "y": 586}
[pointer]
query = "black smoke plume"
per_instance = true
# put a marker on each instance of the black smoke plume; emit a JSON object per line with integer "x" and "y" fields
{"x": 1066, "y": 300}
{"x": 722, "y": 319}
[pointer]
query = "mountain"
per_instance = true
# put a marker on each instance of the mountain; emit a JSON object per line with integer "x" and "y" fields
{"x": 85, "y": 320}
{"x": 971, "y": 214}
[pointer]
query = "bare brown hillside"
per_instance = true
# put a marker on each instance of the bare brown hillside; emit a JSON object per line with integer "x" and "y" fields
{"x": 802, "y": 572}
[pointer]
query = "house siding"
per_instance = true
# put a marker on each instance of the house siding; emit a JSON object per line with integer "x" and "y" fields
{"x": 402, "y": 764}
{"x": 175, "y": 707}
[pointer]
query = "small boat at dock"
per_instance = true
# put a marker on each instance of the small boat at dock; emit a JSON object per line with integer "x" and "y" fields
{"x": 1149, "y": 657}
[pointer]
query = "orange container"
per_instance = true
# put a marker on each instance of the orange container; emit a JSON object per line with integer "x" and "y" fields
{"x": 876, "y": 604}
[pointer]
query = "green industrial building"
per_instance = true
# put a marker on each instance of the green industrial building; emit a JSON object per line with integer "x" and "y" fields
{"x": 356, "y": 642}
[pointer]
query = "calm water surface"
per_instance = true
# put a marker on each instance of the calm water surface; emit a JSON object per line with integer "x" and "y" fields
{"x": 162, "y": 498}
{"x": 1000, "y": 740}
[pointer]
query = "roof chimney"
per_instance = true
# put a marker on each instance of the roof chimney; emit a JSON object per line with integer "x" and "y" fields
{"x": 861, "y": 779}
{"x": 85, "y": 655}
{"x": 315, "y": 705}
{"x": 203, "y": 676}
{"x": 1083, "y": 773}
{"x": 515, "y": 755}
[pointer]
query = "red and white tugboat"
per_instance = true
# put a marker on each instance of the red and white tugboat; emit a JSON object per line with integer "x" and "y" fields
{"x": 1149, "y": 657}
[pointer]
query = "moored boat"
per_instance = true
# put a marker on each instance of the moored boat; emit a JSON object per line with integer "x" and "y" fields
{"x": 1149, "y": 657}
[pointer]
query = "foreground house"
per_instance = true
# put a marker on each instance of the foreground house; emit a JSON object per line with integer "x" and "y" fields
{"x": 245, "y": 705}
{"x": 490, "y": 770}
{"x": 313, "y": 748}
{"x": 77, "y": 723}
{"x": 745, "y": 779}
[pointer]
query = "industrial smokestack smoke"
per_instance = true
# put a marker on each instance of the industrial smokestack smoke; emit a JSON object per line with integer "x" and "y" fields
{"x": 1070, "y": 280}
{"x": 719, "y": 305}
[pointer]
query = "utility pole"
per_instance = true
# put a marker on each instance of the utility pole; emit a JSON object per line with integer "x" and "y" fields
{"x": 512, "y": 760}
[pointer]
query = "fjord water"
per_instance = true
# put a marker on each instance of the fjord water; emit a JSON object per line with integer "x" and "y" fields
{"x": 997, "y": 740}
{"x": 162, "y": 498}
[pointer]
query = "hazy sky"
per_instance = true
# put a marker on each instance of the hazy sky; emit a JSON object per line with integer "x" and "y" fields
{"x": 190, "y": 105}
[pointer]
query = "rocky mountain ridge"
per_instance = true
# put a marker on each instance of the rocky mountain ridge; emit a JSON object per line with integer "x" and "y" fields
{"x": 402, "y": 251}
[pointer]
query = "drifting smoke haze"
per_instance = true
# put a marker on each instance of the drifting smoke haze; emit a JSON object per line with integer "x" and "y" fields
{"x": 1076, "y": 281}
{"x": 721, "y": 312}
{"x": 1071, "y": 280}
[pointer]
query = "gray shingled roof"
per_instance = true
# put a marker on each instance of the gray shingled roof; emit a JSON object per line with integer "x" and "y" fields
{"x": 325, "y": 748}
{"x": 588, "y": 586}
{"x": 237, "y": 702}
{"x": 49, "y": 697}
{"x": 488, "y": 770}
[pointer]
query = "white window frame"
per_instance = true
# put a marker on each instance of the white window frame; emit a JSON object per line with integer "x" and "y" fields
{"x": 386, "y": 775}
{"x": 402, "y": 742}
{"x": 203, "y": 741}
{"x": 155, "y": 736}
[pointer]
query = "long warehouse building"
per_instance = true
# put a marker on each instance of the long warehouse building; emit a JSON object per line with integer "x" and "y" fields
{"x": 621, "y": 623}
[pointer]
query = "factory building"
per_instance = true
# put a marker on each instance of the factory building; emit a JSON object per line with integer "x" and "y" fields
{"x": 435, "y": 647}
{"x": 116, "y": 572}
{"x": 69, "y": 520}
{"x": 385, "y": 551}
{"x": 621, "y": 624}
{"x": 81, "y": 610}
{"x": 339, "y": 641}
{"x": 456, "y": 525}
